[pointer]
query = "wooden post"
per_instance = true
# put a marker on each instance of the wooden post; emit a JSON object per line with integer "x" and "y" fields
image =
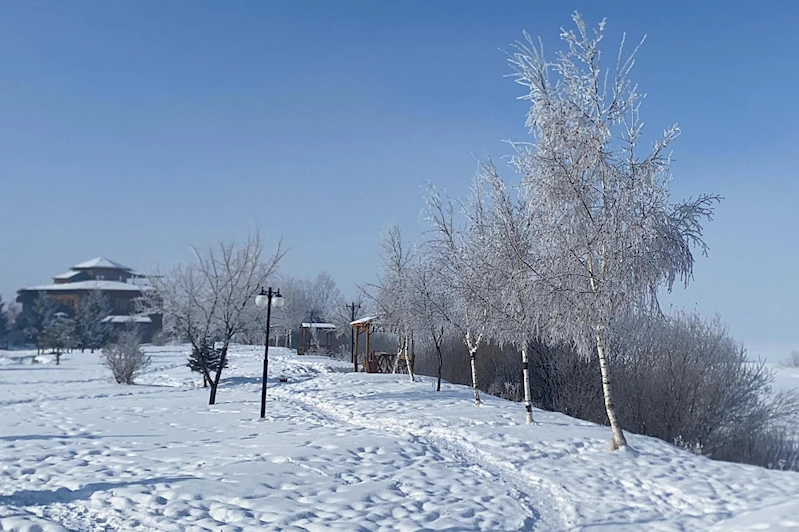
{"x": 366, "y": 356}
{"x": 355, "y": 352}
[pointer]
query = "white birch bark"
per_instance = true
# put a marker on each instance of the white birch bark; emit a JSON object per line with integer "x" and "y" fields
{"x": 528, "y": 401}
{"x": 472, "y": 347}
{"x": 618, "y": 435}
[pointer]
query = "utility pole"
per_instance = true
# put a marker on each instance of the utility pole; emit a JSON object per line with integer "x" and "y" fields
{"x": 352, "y": 306}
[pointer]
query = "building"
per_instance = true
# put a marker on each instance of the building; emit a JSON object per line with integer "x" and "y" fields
{"x": 119, "y": 284}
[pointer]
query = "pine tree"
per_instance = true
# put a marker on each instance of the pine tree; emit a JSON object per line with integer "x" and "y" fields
{"x": 205, "y": 359}
{"x": 36, "y": 317}
{"x": 3, "y": 324}
{"x": 91, "y": 332}
{"x": 58, "y": 335}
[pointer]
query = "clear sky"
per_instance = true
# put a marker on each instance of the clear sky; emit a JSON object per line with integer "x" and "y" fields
{"x": 134, "y": 129}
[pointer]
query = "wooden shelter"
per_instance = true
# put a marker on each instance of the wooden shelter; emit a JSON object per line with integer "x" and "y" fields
{"x": 379, "y": 361}
{"x": 316, "y": 339}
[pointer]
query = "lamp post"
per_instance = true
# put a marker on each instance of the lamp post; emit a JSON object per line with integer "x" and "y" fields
{"x": 267, "y": 299}
{"x": 352, "y": 306}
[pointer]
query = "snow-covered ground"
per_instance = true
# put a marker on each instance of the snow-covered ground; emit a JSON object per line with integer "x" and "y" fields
{"x": 337, "y": 451}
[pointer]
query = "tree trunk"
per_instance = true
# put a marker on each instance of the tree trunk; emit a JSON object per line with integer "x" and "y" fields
{"x": 215, "y": 383}
{"x": 58, "y": 358}
{"x": 475, "y": 389}
{"x": 440, "y": 365}
{"x": 618, "y": 436}
{"x": 528, "y": 401}
{"x": 408, "y": 361}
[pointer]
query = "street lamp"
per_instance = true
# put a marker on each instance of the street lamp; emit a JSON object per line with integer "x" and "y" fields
{"x": 267, "y": 299}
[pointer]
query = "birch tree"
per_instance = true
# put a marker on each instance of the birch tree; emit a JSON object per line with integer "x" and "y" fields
{"x": 431, "y": 306}
{"x": 394, "y": 290}
{"x": 612, "y": 236}
{"x": 457, "y": 244}
{"x": 512, "y": 257}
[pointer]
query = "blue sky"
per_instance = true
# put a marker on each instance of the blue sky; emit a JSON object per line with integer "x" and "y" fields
{"x": 134, "y": 129}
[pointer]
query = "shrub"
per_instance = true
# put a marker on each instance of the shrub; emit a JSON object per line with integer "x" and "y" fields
{"x": 125, "y": 358}
{"x": 681, "y": 379}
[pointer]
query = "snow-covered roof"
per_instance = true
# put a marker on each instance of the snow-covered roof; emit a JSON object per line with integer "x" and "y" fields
{"x": 127, "y": 319}
{"x": 67, "y": 275}
{"x": 100, "y": 262}
{"x": 318, "y": 326}
{"x": 110, "y": 286}
{"x": 367, "y": 319}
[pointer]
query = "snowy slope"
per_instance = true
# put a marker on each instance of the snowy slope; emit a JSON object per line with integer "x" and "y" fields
{"x": 785, "y": 379}
{"x": 338, "y": 451}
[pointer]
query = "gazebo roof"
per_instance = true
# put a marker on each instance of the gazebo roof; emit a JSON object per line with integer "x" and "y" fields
{"x": 364, "y": 321}
{"x": 324, "y": 326}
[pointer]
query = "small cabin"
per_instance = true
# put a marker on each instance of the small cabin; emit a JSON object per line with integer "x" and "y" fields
{"x": 316, "y": 339}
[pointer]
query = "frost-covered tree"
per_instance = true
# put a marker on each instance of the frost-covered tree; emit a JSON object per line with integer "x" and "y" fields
{"x": 322, "y": 295}
{"x": 125, "y": 358}
{"x": 58, "y": 335}
{"x": 295, "y": 308}
{"x": 512, "y": 257}
{"x": 432, "y": 302}
{"x": 14, "y": 334}
{"x": 458, "y": 245}
{"x": 35, "y": 317}
{"x": 205, "y": 359}
{"x": 90, "y": 330}
{"x": 611, "y": 237}
{"x": 394, "y": 292}
{"x": 213, "y": 296}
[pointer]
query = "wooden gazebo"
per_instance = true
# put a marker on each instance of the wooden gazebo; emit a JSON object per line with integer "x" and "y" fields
{"x": 379, "y": 361}
{"x": 316, "y": 339}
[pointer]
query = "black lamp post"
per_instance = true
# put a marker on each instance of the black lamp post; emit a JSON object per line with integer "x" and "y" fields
{"x": 267, "y": 299}
{"x": 352, "y": 306}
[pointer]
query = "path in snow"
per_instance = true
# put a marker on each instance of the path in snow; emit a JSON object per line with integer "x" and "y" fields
{"x": 338, "y": 451}
{"x": 81, "y": 451}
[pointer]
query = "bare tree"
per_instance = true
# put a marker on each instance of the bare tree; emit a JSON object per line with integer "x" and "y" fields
{"x": 611, "y": 237}
{"x": 213, "y": 296}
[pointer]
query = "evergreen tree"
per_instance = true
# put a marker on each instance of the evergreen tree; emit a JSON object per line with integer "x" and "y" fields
{"x": 3, "y": 324}
{"x": 91, "y": 332}
{"x": 35, "y": 317}
{"x": 205, "y": 359}
{"x": 58, "y": 335}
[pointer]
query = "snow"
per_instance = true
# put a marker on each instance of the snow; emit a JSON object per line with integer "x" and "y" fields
{"x": 99, "y": 262}
{"x": 785, "y": 378}
{"x": 66, "y": 275}
{"x": 318, "y": 326}
{"x": 89, "y": 285}
{"x": 337, "y": 451}
{"x": 361, "y": 321}
{"x": 127, "y": 319}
